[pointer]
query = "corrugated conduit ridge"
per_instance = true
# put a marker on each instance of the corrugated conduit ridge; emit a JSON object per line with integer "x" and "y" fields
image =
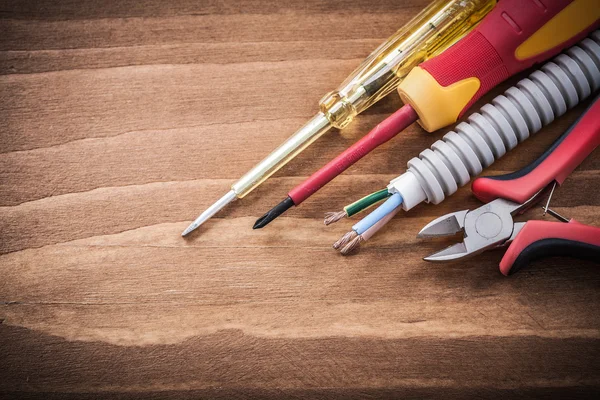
{"x": 508, "y": 120}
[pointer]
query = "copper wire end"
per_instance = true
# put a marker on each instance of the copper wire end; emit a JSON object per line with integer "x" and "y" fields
{"x": 348, "y": 236}
{"x": 353, "y": 246}
{"x": 331, "y": 217}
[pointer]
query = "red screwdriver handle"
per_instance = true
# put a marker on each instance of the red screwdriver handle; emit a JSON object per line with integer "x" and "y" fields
{"x": 538, "y": 239}
{"x": 565, "y": 154}
{"x": 515, "y": 35}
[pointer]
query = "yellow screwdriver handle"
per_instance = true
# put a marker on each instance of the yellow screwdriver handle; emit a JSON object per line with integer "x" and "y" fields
{"x": 432, "y": 31}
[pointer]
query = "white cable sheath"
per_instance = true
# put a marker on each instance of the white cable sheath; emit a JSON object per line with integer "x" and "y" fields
{"x": 499, "y": 126}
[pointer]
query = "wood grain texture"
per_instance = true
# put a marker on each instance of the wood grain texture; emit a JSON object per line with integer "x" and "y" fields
{"x": 122, "y": 120}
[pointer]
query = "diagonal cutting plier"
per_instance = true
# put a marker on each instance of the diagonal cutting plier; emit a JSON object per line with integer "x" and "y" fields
{"x": 492, "y": 225}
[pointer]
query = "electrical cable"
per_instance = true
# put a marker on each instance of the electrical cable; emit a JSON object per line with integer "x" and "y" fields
{"x": 379, "y": 213}
{"x": 506, "y": 121}
{"x": 370, "y": 220}
{"x": 366, "y": 202}
{"x": 356, "y": 207}
{"x": 354, "y": 244}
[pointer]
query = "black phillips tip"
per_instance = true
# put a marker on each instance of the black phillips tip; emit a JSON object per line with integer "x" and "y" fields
{"x": 273, "y": 213}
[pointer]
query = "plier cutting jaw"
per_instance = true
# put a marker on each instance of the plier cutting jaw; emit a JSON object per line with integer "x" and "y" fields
{"x": 484, "y": 228}
{"x": 492, "y": 225}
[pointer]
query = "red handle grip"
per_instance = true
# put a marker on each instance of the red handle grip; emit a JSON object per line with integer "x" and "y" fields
{"x": 540, "y": 239}
{"x": 567, "y": 152}
{"x": 489, "y": 52}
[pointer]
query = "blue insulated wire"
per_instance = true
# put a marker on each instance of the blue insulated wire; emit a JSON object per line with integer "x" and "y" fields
{"x": 380, "y": 212}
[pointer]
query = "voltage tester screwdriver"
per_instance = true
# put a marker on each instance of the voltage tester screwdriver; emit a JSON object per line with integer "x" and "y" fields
{"x": 515, "y": 35}
{"x": 433, "y": 30}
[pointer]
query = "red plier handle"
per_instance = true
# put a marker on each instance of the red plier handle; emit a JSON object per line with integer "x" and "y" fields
{"x": 540, "y": 238}
{"x": 565, "y": 154}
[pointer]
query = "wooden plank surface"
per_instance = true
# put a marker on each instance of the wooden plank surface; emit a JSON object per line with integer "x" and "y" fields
{"x": 122, "y": 120}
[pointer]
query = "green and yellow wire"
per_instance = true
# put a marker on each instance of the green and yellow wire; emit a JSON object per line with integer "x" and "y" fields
{"x": 356, "y": 207}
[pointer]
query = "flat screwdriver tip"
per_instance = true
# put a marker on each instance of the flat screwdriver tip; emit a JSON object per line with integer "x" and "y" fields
{"x": 210, "y": 211}
{"x": 189, "y": 229}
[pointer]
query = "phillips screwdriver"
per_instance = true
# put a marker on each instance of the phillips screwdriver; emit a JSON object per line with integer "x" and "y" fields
{"x": 433, "y": 30}
{"x": 515, "y": 35}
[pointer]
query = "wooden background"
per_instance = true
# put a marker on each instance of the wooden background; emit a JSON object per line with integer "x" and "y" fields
{"x": 120, "y": 121}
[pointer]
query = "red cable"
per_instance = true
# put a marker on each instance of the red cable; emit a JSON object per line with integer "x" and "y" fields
{"x": 390, "y": 127}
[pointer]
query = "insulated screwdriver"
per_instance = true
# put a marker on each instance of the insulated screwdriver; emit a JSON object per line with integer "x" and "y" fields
{"x": 437, "y": 27}
{"x": 512, "y": 37}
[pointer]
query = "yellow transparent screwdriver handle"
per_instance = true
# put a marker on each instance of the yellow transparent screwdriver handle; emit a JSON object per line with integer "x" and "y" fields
{"x": 433, "y": 30}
